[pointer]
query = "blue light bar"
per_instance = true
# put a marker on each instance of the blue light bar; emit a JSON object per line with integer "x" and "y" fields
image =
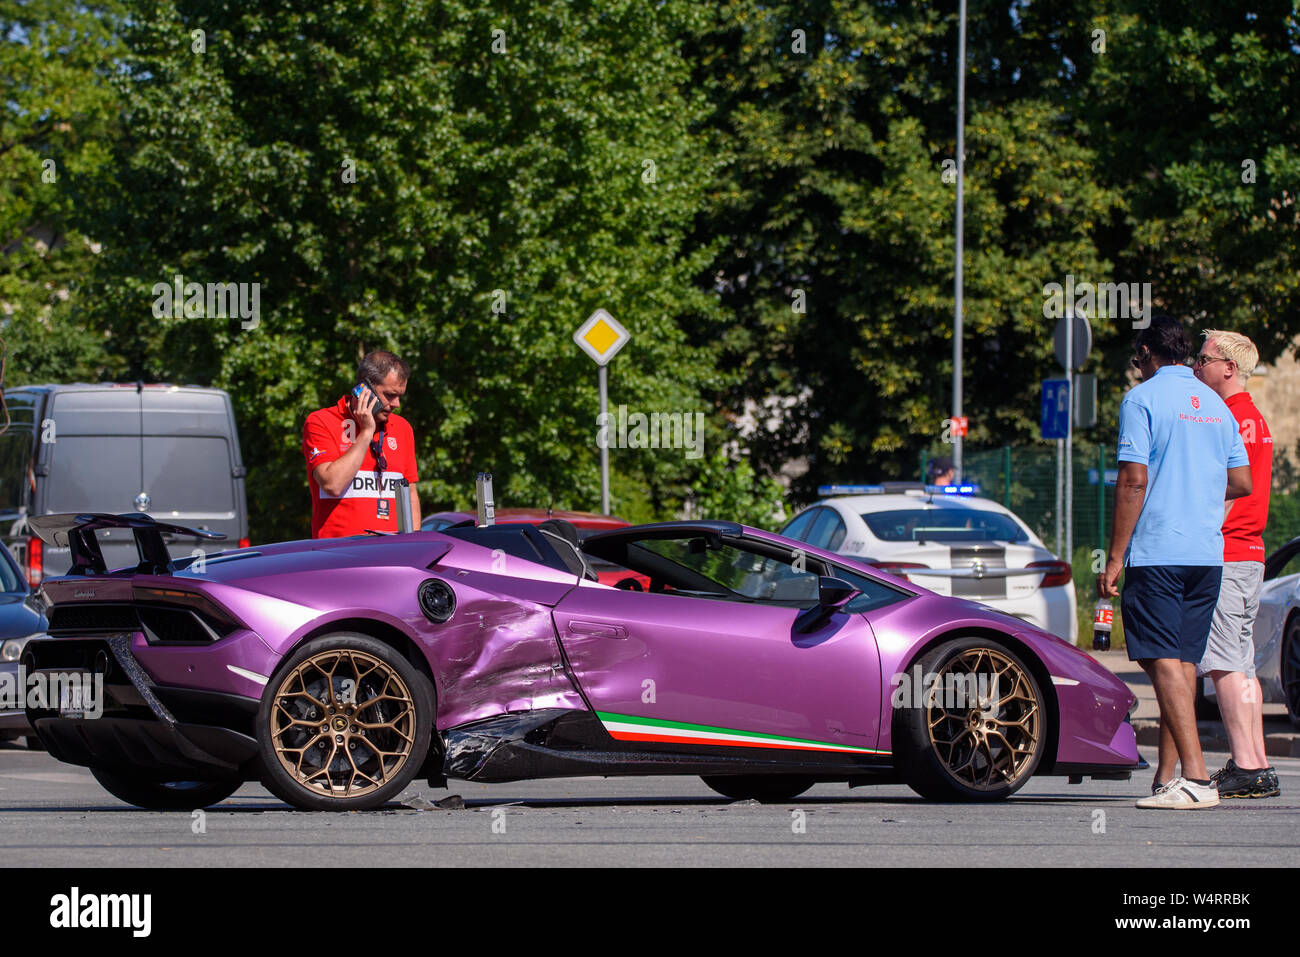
{"x": 971, "y": 489}
{"x": 827, "y": 490}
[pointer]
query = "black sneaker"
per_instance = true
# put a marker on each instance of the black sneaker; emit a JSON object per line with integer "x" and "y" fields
{"x": 1268, "y": 779}
{"x": 1235, "y": 782}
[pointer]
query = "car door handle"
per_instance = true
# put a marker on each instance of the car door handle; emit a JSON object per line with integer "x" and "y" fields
{"x": 597, "y": 629}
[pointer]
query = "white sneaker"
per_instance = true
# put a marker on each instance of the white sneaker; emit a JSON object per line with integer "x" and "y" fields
{"x": 1181, "y": 794}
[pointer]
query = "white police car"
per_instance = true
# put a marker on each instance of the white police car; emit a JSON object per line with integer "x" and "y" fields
{"x": 949, "y": 540}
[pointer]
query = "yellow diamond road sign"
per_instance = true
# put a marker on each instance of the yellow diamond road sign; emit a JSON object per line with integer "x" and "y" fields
{"x": 601, "y": 336}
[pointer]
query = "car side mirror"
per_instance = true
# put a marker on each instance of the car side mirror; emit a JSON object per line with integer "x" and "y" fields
{"x": 832, "y": 595}
{"x": 834, "y": 592}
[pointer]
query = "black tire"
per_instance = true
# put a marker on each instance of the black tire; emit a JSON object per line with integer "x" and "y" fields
{"x": 127, "y": 784}
{"x": 1290, "y": 670}
{"x": 768, "y": 788}
{"x": 396, "y": 707}
{"x": 33, "y": 742}
{"x": 948, "y": 765}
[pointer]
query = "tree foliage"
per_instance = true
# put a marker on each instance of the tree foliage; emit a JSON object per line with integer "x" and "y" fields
{"x": 842, "y": 117}
{"x": 763, "y": 193}
{"x": 58, "y": 116}
{"x": 1194, "y": 112}
{"x": 514, "y": 169}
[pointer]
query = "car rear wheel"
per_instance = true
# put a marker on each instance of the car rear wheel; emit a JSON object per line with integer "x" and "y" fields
{"x": 981, "y": 728}
{"x": 344, "y": 724}
{"x": 768, "y": 788}
{"x": 127, "y": 784}
{"x": 1291, "y": 669}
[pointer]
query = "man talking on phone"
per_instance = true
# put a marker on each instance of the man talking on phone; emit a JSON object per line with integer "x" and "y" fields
{"x": 357, "y": 452}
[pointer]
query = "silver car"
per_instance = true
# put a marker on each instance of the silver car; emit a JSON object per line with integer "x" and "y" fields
{"x": 1277, "y": 630}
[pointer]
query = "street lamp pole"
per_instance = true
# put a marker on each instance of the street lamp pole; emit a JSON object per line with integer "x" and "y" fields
{"x": 957, "y": 276}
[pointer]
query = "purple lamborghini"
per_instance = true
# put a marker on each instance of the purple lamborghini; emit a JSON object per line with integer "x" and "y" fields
{"x": 337, "y": 671}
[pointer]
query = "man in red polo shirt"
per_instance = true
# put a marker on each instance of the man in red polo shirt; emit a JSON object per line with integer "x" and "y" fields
{"x": 356, "y": 454}
{"x": 1226, "y": 361}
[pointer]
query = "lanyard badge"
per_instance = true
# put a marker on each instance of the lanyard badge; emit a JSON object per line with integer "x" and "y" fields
{"x": 382, "y": 505}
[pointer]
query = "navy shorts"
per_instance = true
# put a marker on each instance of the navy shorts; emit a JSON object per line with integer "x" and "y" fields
{"x": 1167, "y": 610}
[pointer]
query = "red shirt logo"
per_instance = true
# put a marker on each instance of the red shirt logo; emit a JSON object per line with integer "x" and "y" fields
{"x": 1196, "y": 402}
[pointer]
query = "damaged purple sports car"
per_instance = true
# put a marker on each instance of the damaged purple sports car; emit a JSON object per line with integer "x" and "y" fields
{"x": 338, "y": 671}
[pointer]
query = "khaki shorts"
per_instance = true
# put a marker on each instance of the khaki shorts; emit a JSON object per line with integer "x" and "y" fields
{"x": 1232, "y": 632}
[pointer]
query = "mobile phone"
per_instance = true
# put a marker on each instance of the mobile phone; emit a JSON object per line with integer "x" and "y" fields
{"x": 365, "y": 396}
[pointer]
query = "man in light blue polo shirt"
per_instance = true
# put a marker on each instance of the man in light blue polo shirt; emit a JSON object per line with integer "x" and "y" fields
{"x": 1180, "y": 459}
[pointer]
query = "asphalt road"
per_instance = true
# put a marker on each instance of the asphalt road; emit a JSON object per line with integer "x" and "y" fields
{"x": 53, "y": 814}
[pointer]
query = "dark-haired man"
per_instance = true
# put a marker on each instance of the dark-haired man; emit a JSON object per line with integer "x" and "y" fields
{"x": 357, "y": 452}
{"x": 1180, "y": 457}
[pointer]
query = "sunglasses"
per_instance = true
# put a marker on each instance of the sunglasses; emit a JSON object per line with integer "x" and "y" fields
{"x": 1205, "y": 359}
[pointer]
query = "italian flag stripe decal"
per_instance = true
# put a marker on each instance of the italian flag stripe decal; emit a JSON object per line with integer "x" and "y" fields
{"x": 627, "y": 727}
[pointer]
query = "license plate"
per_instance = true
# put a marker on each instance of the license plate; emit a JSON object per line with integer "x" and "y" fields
{"x": 72, "y": 700}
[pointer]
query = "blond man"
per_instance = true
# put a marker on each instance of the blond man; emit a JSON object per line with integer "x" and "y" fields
{"x": 1226, "y": 361}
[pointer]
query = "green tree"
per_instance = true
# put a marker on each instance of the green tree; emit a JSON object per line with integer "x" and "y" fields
{"x": 838, "y": 211}
{"x": 459, "y": 184}
{"x": 728, "y": 488}
{"x": 58, "y": 119}
{"x": 1193, "y": 113}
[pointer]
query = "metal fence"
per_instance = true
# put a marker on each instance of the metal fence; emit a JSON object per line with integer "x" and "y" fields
{"x": 1025, "y": 481}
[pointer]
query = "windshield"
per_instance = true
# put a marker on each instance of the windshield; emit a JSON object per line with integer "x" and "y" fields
{"x": 10, "y": 581}
{"x": 944, "y": 525}
{"x": 724, "y": 571}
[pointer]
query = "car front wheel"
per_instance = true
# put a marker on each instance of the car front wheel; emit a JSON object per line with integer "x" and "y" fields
{"x": 344, "y": 725}
{"x": 980, "y": 729}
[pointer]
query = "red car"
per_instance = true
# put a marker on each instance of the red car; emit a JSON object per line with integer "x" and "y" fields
{"x": 587, "y": 523}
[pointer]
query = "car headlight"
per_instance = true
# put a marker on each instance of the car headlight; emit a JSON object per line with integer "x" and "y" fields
{"x": 12, "y": 649}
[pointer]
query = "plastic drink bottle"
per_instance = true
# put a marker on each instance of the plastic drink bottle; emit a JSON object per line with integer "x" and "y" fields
{"x": 1103, "y": 617}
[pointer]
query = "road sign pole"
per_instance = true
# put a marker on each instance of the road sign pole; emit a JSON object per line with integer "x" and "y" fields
{"x": 604, "y": 446}
{"x": 601, "y": 337}
{"x": 1068, "y": 328}
{"x": 957, "y": 272}
{"x": 1060, "y": 487}
{"x": 1101, "y": 497}
{"x": 1069, "y": 444}
{"x": 1006, "y": 475}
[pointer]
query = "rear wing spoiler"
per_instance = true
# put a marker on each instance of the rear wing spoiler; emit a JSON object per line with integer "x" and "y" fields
{"x": 77, "y": 532}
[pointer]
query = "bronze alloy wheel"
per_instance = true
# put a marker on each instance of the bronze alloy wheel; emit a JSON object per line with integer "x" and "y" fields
{"x": 343, "y": 723}
{"x": 984, "y": 719}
